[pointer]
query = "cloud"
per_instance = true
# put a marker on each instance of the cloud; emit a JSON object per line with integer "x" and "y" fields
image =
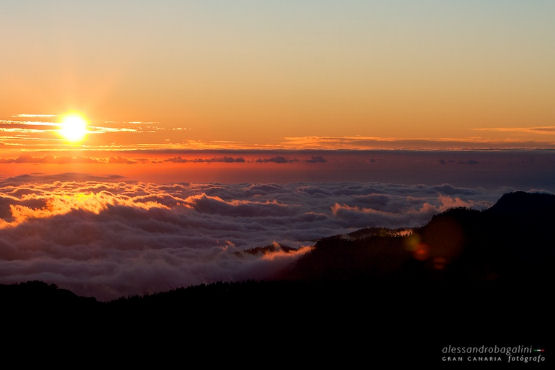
{"x": 39, "y": 178}
{"x": 412, "y": 212}
{"x": 238, "y": 208}
{"x": 24, "y": 123}
{"x": 38, "y": 131}
{"x": 539, "y": 130}
{"x": 27, "y": 127}
{"x": 103, "y": 130}
{"x": 399, "y": 143}
{"x": 25, "y": 115}
{"x": 277, "y": 159}
{"x": 121, "y": 160}
{"x": 463, "y": 162}
{"x": 32, "y": 130}
{"x": 225, "y": 159}
{"x": 16, "y": 126}
{"x": 107, "y": 237}
{"x": 50, "y": 159}
{"x": 316, "y": 159}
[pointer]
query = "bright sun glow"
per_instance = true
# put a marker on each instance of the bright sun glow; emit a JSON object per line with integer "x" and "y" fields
{"x": 73, "y": 127}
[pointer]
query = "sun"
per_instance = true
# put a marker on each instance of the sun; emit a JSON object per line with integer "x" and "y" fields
{"x": 73, "y": 128}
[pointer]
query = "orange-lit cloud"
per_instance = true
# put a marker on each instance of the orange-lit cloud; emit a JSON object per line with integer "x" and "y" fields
{"x": 40, "y": 134}
{"x": 537, "y": 130}
{"x": 443, "y": 202}
{"x": 26, "y": 115}
{"x": 400, "y": 143}
{"x": 270, "y": 256}
{"x": 62, "y": 228}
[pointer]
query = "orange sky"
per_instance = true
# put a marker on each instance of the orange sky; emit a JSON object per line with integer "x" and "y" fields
{"x": 293, "y": 75}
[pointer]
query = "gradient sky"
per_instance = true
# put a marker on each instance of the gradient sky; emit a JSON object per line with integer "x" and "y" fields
{"x": 284, "y": 74}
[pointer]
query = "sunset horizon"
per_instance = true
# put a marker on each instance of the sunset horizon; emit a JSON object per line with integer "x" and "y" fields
{"x": 313, "y": 168}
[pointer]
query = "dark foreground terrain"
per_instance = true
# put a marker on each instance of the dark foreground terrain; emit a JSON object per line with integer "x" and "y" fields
{"x": 466, "y": 278}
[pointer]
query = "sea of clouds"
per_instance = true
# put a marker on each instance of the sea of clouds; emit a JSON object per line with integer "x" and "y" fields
{"x": 108, "y": 237}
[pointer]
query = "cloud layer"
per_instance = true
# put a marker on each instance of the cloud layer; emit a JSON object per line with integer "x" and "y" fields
{"x": 106, "y": 237}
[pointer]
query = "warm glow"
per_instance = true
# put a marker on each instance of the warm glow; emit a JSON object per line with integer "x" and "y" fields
{"x": 73, "y": 128}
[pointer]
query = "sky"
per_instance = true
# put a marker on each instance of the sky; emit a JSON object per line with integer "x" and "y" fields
{"x": 300, "y": 74}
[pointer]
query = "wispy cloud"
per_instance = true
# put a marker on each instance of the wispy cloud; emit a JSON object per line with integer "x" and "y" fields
{"x": 398, "y": 143}
{"x": 27, "y": 123}
{"x": 27, "y": 127}
{"x": 38, "y": 132}
{"x": 25, "y": 115}
{"x": 76, "y": 159}
{"x": 226, "y": 159}
{"x": 139, "y": 135}
{"x": 539, "y": 130}
{"x": 277, "y": 159}
{"x": 103, "y": 130}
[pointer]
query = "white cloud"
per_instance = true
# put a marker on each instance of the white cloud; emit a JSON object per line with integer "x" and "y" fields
{"x": 107, "y": 237}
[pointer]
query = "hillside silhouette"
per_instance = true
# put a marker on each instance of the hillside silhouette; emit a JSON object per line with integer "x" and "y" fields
{"x": 466, "y": 276}
{"x": 510, "y": 242}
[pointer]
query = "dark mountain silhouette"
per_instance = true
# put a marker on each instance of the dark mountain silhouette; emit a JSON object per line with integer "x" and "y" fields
{"x": 466, "y": 276}
{"x": 520, "y": 202}
{"x": 509, "y": 242}
{"x": 31, "y": 293}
